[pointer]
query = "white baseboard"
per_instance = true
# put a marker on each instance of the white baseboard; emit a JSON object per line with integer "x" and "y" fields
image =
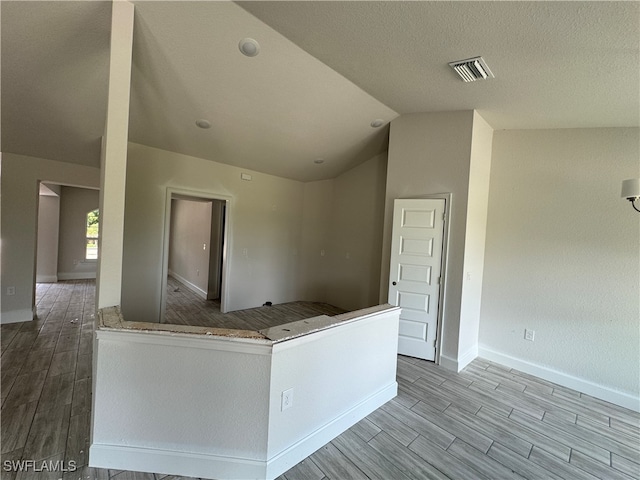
{"x": 172, "y": 462}
{"x": 602, "y": 392}
{"x": 456, "y": 365}
{"x": 194, "y": 288}
{"x": 76, "y": 275}
{"x": 297, "y": 452}
{"x": 17, "y": 316}
{"x": 468, "y": 357}
{"x": 449, "y": 363}
{"x": 217, "y": 466}
{"x": 46, "y": 278}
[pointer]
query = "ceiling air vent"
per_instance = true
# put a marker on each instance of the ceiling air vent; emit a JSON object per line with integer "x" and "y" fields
{"x": 472, "y": 69}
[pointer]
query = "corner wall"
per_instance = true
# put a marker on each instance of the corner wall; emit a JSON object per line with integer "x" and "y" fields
{"x": 342, "y": 236}
{"x": 474, "y": 242}
{"x": 355, "y": 240}
{"x": 48, "y": 232}
{"x": 315, "y": 238}
{"x": 563, "y": 259}
{"x": 20, "y": 176}
{"x": 264, "y": 220}
{"x": 432, "y": 153}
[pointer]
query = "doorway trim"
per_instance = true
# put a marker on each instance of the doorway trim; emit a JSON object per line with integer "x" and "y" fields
{"x": 448, "y": 199}
{"x": 226, "y": 244}
{"x": 445, "y": 263}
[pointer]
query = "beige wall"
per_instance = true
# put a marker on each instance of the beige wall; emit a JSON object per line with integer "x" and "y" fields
{"x": 277, "y": 230}
{"x": 315, "y": 240}
{"x": 75, "y": 203}
{"x": 48, "y": 224}
{"x": 342, "y": 236}
{"x": 265, "y": 216}
{"x": 189, "y": 243}
{"x": 20, "y": 176}
{"x": 357, "y": 216}
{"x": 562, "y": 256}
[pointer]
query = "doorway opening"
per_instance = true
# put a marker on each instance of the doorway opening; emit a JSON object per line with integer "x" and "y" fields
{"x": 67, "y": 222}
{"x": 196, "y": 238}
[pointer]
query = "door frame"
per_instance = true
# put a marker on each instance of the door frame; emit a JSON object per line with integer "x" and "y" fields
{"x": 448, "y": 199}
{"x": 226, "y": 243}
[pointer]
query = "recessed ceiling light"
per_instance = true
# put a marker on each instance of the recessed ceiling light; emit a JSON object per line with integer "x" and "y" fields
{"x": 249, "y": 47}
{"x": 318, "y": 161}
{"x": 377, "y": 123}
{"x": 202, "y": 123}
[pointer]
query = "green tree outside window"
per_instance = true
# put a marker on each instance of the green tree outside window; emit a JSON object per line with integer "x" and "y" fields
{"x": 93, "y": 233}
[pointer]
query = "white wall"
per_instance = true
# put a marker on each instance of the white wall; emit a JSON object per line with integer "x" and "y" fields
{"x": 562, "y": 258}
{"x": 333, "y": 373}
{"x": 113, "y": 158}
{"x": 189, "y": 243}
{"x": 265, "y": 216}
{"x": 355, "y": 238}
{"x": 48, "y": 224}
{"x": 75, "y": 203}
{"x": 212, "y": 403}
{"x": 474, "y": 242}
{"x": 20, "y": 176}
{"x": 222, "y": 416}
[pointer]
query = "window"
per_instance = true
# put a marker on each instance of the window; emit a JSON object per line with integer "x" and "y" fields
{"x": 93, "y": 229}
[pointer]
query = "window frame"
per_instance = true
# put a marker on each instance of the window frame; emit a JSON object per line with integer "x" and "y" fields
{"x": 90, "y": 238}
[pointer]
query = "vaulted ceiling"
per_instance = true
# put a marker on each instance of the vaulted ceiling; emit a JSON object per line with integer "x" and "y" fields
{"x": 324, "y": 72}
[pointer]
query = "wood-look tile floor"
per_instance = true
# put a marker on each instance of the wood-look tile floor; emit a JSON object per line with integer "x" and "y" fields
{"x": 487, "y": 422}
{"x": 186, "y": 308}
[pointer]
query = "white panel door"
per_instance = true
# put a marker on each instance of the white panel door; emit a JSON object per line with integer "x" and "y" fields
{"x": 416, "y": 264}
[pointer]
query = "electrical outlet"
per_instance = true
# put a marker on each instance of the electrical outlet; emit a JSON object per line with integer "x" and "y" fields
{"x": 287, "y": 400}
{"x": 529, "y": 335}
{"x": 11, "y": 290}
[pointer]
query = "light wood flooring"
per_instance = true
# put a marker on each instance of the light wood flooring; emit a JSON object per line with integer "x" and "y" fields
{"x": 487, "y": 422}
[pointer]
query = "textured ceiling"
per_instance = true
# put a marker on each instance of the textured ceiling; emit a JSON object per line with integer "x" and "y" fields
{"x": 326, "y": 69}
{"x": 55, "y": 66}
{"x": 557, "y": 64}
{"x": 275, "y": 113}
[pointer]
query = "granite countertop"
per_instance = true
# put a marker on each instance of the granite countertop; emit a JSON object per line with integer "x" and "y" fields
{"x": 111, "y": 318}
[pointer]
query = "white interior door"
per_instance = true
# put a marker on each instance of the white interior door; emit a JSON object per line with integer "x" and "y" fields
{"x": 415, "y": 270}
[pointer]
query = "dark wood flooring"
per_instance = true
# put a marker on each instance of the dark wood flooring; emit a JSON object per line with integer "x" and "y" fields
{"x": 186, "y": 308}
{"x": 487, "y": 422}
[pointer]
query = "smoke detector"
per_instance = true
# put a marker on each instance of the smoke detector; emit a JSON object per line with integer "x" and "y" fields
{"x": 472, "y": 69}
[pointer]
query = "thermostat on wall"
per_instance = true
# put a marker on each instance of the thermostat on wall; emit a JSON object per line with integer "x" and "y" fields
{"x": 245, "y": 176}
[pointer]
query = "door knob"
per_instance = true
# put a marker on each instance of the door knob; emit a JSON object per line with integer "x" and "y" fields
{"x": 393, "y": 283}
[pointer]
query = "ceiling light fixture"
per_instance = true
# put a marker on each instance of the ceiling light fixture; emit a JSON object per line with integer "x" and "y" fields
{"x": 202, "y": 123}
{"x": 472, "y": 69}
{"x": 318, "y": 161}
{"x": 377, "y": 123}
{"x": 249, "y": 47}
{"x": 631, "y": 191}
